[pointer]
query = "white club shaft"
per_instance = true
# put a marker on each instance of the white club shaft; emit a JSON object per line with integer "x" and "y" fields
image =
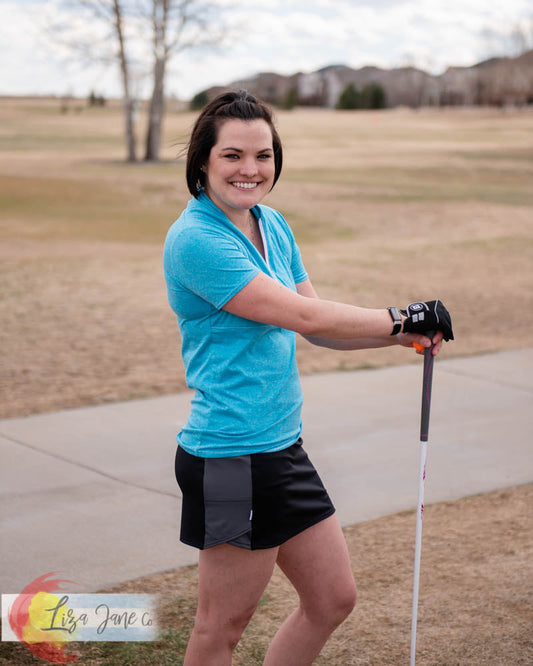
{"x": 418, "y": 546}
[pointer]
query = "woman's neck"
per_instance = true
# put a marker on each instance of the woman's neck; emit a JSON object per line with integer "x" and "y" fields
{"x": 241, "y": 219}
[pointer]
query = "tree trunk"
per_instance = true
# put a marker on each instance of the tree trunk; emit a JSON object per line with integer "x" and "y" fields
{"x": 129, "y": 118}
{"x": 156, "y": 111}
{"x": 128, "y": 102}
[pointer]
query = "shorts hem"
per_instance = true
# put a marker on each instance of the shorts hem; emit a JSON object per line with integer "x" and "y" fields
{"x": 278, "y": 542}
{"x": 228, "y": 540}
{"x": 299, "y": 530}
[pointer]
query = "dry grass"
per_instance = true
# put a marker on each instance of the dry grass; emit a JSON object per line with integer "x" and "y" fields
{"x": 476, "y": 588}
{"x": 387, "y": 207}
{"x": 475, "y": 595}
{"x": 474, "y": 606}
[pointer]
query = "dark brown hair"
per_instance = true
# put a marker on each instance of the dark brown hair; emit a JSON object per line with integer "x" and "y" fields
{"x": 229, "y": 105}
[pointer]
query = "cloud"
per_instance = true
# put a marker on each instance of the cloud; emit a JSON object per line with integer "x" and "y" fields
{"x": 37, "y": 61}
{"x": 283, "y": 36}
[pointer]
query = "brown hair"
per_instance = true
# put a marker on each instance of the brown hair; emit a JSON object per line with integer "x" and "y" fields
{"x": 239, "y": 105}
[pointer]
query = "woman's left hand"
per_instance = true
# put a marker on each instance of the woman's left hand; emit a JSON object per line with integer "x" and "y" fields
{"x": 422, "y": 341}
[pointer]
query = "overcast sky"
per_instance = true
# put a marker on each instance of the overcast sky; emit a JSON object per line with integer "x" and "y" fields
{"x": 283, "y": 36}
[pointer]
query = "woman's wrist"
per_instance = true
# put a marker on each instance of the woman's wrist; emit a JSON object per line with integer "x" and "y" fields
{"x": 397, "y": 320}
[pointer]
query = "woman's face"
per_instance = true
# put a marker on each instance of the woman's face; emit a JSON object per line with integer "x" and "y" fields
{"x": 240, "y": 169}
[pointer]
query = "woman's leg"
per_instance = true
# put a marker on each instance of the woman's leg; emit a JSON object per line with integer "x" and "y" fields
{"x": 318, "y": 565}
{"x": 231, "y": 582}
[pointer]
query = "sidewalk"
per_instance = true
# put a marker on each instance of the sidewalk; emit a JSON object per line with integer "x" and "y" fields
{"x": 90, "y": 492}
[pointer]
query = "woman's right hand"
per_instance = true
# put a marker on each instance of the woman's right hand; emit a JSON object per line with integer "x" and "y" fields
{"x": 428, "y": 316}
{"x": 421, "y": 342}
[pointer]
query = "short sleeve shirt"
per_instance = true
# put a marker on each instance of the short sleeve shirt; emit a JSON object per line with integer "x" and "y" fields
{"x": 248, "y": 396}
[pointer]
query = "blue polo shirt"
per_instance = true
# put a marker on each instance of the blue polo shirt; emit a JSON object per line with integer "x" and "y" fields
{"x": 248, "y": 396}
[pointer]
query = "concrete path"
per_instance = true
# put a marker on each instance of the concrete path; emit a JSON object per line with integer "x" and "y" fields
{"x": 90, "y": 492}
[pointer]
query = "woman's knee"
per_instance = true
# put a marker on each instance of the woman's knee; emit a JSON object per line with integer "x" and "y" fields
{"x": 333, "y": 608}
{"x": 223, "y": 630}
{"x": 344, "y": 601}
{"x": 238, "y": 623}
{"x": 349, "y": 598}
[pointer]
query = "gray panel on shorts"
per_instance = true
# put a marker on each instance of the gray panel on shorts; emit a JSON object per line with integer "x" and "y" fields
{"x": 228, "y": 501}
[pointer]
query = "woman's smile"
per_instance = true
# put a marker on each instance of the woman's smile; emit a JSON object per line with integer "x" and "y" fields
{"x": 240, "y": 170}
{"x": 245, "y": 186}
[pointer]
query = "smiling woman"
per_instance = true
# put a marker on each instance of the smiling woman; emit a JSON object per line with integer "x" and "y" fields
{"x": 251, "y": 496}
{"x": 240, "y": 170}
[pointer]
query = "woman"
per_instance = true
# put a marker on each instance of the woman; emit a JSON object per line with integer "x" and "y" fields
{"x": 251, "y": 497}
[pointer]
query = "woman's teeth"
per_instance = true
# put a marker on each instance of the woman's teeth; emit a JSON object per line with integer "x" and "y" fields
{"x": 245, "y": 186}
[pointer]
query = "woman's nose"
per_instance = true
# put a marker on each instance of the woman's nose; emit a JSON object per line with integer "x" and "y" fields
{"x": 248, "y": 167}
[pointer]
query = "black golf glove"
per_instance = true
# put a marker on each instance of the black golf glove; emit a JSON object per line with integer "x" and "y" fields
{"x": 429, "y": 316}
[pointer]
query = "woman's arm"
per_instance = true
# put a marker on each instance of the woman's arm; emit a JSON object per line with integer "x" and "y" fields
{"x": 265, "y": 300}
{"x": 306, "y": 289}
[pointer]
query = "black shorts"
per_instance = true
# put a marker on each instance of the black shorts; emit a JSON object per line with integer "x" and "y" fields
{"x": 252, "y": 501}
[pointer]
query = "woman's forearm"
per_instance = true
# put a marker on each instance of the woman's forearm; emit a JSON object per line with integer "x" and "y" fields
{"x": 329, "y": 319}
{"x": 351, "y": 344}
{"x": 265, "y": 300}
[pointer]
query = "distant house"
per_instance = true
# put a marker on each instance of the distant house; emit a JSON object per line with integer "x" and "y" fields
{"x": 496, "y": 82}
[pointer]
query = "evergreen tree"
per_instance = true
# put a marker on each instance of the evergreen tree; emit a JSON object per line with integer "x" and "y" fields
{"x": 199, "y": 101}
{"x": 290, "y": 99}
{"x": 373, "y": 97}
{"x": 349, "y": 98}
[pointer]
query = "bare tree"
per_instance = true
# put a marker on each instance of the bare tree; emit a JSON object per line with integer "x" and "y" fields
{"x": 177, "y": 25}
{"x": 111, "y": 16}
{"x": 510, "y": 40}
{"x": 521, "y": 37}
{"x": 128, "y": 101}
{"x": 505, "y": 78}
{"x": 163, "y": 27}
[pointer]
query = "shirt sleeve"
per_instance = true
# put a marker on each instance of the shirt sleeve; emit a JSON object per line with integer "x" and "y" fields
{"x": 211, "y": 265}
{"x": 298, "y": 271}
{"x": 297, "y": 266}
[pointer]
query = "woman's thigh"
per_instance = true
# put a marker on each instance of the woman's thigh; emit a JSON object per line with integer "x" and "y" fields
{"x": 232, "y": 580}
{"x": 317, "y": 563}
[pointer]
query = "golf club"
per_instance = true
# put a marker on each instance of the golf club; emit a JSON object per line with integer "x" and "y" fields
{"x": 424, "y": 429}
